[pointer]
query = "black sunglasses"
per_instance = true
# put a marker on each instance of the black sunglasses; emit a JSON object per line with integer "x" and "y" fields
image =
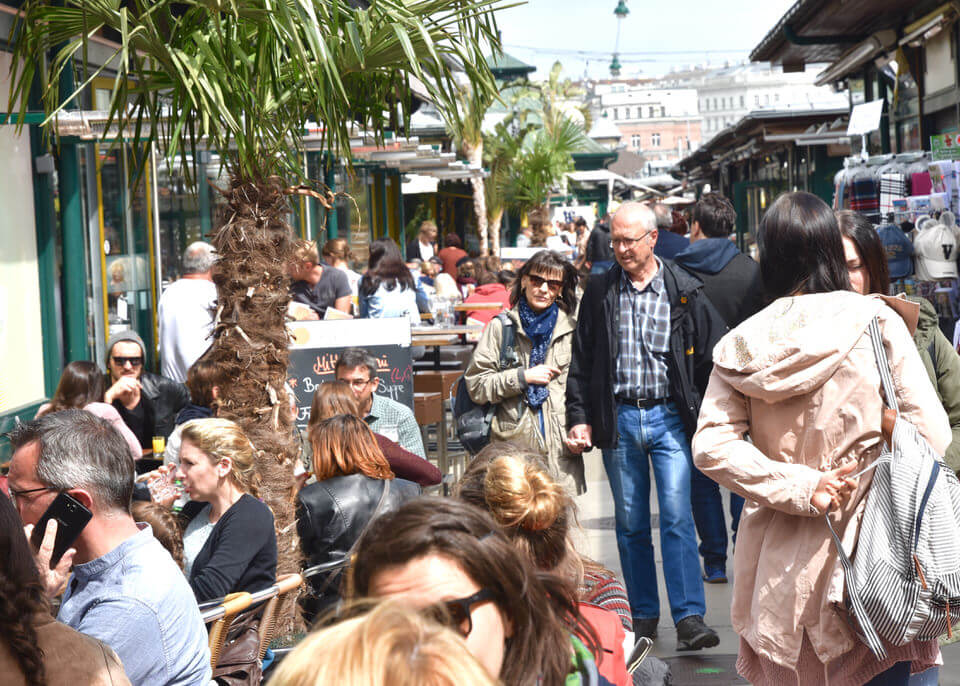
{"x": 538, "y": 281}
{"x": 455, "y": 613}
{"x": 122, "y": 361}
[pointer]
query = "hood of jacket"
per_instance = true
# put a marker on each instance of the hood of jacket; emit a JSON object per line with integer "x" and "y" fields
{"x": 794, "y": 345}
{"x": 708, "y": 255}
{"x": 489, "y": 289}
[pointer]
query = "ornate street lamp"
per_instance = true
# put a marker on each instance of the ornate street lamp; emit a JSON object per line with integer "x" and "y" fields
{"x": 620, "y": 13}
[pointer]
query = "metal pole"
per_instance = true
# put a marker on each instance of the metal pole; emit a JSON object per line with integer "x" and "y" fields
{"x": 74, "y": 267}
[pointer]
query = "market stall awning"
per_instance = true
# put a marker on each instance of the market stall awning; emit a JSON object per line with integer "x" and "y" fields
{"x": 823, "y": 31}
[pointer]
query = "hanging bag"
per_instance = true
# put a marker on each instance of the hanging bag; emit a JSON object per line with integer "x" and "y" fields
{"x": 903, "y": 584}
{"x": 473, "y": 421}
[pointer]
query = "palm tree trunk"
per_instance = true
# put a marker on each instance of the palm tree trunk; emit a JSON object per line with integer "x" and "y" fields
{"x": 254, "y": 245}
{"x": 495, "y": 221}
{"x": 474, "y": 155}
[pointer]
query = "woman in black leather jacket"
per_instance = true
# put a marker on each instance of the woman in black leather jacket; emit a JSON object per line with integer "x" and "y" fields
{"x": 352, "y": 479}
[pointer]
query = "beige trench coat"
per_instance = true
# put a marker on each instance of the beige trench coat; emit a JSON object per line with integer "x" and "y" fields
{"x": 487, "y": 383}
{"x": 800, "y": 377}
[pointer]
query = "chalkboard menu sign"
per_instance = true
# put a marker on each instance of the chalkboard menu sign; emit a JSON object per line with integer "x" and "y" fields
{"x": 316, "y": 347}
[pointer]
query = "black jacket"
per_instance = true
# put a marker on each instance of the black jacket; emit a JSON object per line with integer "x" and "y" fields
{"x": 168, "y": 397}
{"x": 695, "y": 327}
{"x": 731, "y": 280}
{"x": 331, "y": 515}
{"x": 239, "y": 555}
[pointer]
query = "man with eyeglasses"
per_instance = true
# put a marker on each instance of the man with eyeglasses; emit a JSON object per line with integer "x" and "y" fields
{"x": 147, "y": 402}
{"x": 641, "y": 354}
{"x": 387, "y": 417}
{"x": 123, "y": 587}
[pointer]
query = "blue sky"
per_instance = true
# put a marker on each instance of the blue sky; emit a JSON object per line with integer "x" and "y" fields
{"x": 670, "y": 34}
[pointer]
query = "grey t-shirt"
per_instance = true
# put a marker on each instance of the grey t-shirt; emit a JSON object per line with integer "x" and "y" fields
{"x": 333, "y": 284}
{"x": 195, "y": 537}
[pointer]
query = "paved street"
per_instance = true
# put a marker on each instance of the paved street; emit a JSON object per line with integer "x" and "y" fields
{"x": 714, "y": 666}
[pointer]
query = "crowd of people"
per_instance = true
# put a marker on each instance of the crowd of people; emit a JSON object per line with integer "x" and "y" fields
{"x": 654, "y": 340}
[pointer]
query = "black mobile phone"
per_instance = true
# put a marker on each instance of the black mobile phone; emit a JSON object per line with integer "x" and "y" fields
{"x": 71, "y": 517}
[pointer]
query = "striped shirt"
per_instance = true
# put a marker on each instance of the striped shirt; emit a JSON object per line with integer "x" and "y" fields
{"x": 644, "y": 340}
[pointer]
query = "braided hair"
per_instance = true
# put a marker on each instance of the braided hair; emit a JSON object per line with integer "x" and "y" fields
{"x": 22, "y": 596}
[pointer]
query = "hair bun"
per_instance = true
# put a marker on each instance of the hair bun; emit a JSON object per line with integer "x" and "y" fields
{"x": 522, "y": 495}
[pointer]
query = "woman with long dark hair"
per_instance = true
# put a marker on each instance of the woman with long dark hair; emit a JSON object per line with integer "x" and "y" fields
{"x": 354, "y": 484}
{"x": 869, "y": 273}
{"x": 387, "y": 288}
{"x": 449, "y": 558}
{"x": 35, "y": 649}
{"x": 530, "y": 391}
{"x": 800, "y": 377}
{"x": 81, "y": 387}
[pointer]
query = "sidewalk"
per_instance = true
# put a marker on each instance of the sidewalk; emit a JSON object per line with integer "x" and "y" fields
{"x": 712, "y": 666}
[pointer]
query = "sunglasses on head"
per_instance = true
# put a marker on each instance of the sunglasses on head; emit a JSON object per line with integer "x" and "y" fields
{"x": 455, "y": 613}
{"x": 538, "y": 281}
{"x": 122, "y": 361}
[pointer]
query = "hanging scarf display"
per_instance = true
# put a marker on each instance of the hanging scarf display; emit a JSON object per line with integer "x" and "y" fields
{"x": 539, "y": 328}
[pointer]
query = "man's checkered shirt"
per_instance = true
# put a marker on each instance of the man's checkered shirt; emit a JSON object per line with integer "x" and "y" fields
{"x": 644, "y": 340}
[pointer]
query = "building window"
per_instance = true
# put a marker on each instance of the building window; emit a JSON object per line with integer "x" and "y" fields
{"x": 639, "y": 113}
{"x": 663, "y": 111}
{"x": 742, "y": 105}
{"x": 703, "y": 104}
{"x": 756, "y": 100}
{"x": 655, "y": 140}
{"x": 776, "y": 97}
{"x": 616, "y": 113}
{"x": 635, "y": 141}
{"x": 766, "y": 99}
{"x": 650, "y": 113}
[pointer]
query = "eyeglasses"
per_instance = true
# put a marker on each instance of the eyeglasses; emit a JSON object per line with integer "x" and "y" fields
{"x": 538, "y": 281}
{"x": 455, "y": 613}
{"x": 356, "y": 383}
{"x": 14, "y": 493}
{"x": 628, "y": 243}
{"x": 132, "y": 361}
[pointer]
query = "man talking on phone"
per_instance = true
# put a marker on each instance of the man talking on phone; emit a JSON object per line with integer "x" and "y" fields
{"x": 124, "y": 589}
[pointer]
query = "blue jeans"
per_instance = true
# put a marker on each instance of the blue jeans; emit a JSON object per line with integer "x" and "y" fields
{"x": 655, "y": 436}
{"x": 708, "y": 516}
{"x": 897, "y": 675}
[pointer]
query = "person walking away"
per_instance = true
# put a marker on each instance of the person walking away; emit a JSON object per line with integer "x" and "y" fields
{"x": 640, "y": 352}
{"x": 424, "y": 246}
{"x": 124, "y": 589}
{"x": 316, "y": 285}
{"x": 186, "y": 312}
{"x": 867, "y": 267}
{"x": 530, "y": 396}
{"x": 148, "y": 403}
{"x": 452, "y": 253}
{"x": 732, "y": 283}
{"x": 599, "y": 252}
{"x": 525, "y": 237}
{"x": 668, "y": 243}
{"x": 801, "y": 379}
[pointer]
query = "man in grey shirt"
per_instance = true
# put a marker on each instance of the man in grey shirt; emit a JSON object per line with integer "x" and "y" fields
{"x": 125, "y": 588}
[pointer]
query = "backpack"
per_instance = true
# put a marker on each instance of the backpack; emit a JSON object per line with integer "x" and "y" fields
{"x": 473, "y": 421}
{"x": 904, "y": 581}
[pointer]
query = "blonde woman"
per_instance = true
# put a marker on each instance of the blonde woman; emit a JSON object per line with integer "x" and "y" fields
{"x": 229, "y": 543}
{"x": 392, "y": 645}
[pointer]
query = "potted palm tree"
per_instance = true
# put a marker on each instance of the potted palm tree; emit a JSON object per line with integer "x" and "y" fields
{"x": 243, "y": 79}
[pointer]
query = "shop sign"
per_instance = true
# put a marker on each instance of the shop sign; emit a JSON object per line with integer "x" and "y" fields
{"x": 945, "y": 146}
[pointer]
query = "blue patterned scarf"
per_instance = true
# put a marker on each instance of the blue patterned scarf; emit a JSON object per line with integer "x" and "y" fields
{"x": 539, "y": 328}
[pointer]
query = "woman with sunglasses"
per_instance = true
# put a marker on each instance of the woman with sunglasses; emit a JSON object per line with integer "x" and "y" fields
{"x": 449, "y": 559}
{"x": 529, "y": 391}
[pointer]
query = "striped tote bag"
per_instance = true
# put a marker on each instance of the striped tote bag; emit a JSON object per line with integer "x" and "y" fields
{"x": 903, "y": 583}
